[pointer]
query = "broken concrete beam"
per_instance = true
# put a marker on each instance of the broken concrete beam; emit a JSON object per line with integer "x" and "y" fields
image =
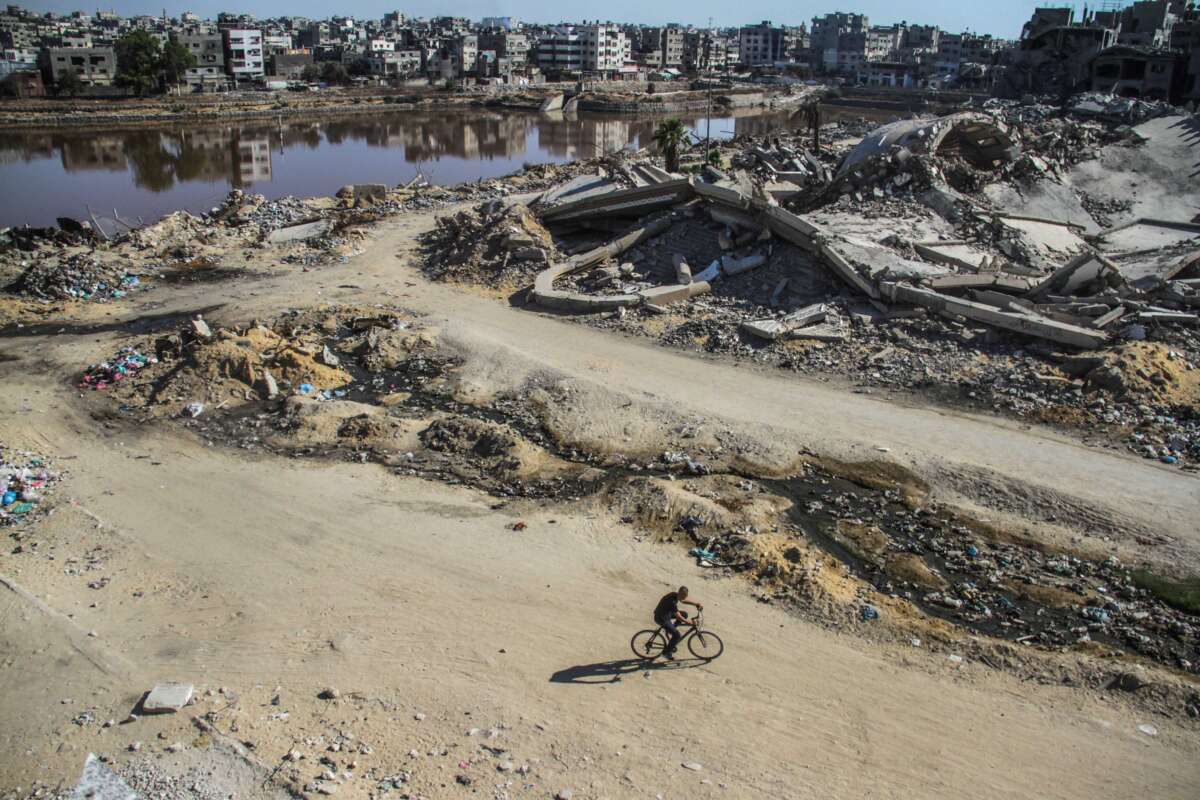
{"x": 821, "y": 333}
{"x": 620, "y": 245}
{"x": 1083, "y": 271}
{"x": 770, "y": 329}
{"x": 990, "y": 280}
{"x": 1000, "y": 300}
{"x": 1051, "y": 330}
{"x": 1179, "y": 317}
{"x": 665, "y": 295}
{"x": 773, "y": 329}
{"x": 732, "y": 218}
{"x": 710, "y": 273}
{"x": 808, "y": 315}
{"x": 683, "y": 273}
{"x": 167, "y": 698}
{"x": 634, "y": 202}
{"x": 724, "y": 195}
{"x": 575, "y": 303}
{"x": 731, "y": 266}
{"x": 780, "y": 288}
{"x": 1112, "y": 316}
{"x": 553, "y": 103}
{"x": 846, "y": 271}
{"x": 300, "y": 233}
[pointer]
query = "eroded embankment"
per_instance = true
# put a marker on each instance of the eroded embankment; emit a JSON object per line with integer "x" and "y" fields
{"x": 852, "y": 543}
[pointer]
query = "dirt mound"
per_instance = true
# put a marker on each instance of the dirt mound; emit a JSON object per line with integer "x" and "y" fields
{"x": 490, "y": 244}
{"x": 1148, "y": 371}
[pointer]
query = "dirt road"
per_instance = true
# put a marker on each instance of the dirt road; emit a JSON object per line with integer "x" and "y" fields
{"x": 269, "y": 578}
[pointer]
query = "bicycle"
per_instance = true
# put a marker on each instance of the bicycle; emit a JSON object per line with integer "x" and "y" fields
{"x": 704, "y": 645}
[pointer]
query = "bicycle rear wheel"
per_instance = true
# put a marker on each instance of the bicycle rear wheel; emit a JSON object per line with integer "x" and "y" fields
{"x": 647, "y": 644}
{"x": 705, "y": 645}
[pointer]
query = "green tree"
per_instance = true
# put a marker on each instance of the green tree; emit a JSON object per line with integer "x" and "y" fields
{"x": 176, "y": 59}
{"x": 334, "y": 72}
{"x": 139, "y": 57}
{"x": 68, "y": 84}
{"x": 311, "y": 73}
{"x": 360, "y": 68}
{"x": 669, "y": 137}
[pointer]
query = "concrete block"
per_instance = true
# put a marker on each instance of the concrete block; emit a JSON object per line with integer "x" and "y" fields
{"x": 300, "y": 233}
{"x": 167, "y": 698}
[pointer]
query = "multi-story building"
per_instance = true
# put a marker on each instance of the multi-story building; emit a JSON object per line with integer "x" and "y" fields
{"x": 289, "y": 65}
{"x": 506, "y": 44}
{"x": 244, "y": 54}
{"x": 761, "y": 45}
{"x": 1146, "y": 72}
{"x": 667, "y": 42}
{"x": 561, "y": 50}
{"x": 705, "y": 51}
{"x": 95, "y": 66}
{"x": 209, "y": 51}
{"x": 605, "y": 49}
{"x": 833, "y": 33}
{"x": 14, "y": 60}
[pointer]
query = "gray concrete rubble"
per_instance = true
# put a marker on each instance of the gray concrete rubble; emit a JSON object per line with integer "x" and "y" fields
{"x": 167, "y": 698}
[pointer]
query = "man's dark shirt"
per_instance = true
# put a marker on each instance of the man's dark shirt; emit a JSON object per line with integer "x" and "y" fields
{"x": 666, "y": 608}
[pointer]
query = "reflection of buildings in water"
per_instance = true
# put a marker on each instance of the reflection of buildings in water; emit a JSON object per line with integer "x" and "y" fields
{"x": 253, "y": 160}
{"x": 502, "y": 136}
{"x": 584, "y": 138}
{"x": 93, "y": 153}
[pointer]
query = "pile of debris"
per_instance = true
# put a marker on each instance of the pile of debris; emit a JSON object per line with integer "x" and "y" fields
{"x": 25, "y": 482}
{"x": 78, "y": 277}
{"x": 902, "y": 251}
{"x": 494, "y": 244}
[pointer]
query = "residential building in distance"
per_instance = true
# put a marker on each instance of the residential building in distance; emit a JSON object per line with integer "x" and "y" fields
{"x": 95, "y": 66}
{"x": 244, "y": 54}
{"x": 761, "y": 45}
{"x": 208, "y": 74}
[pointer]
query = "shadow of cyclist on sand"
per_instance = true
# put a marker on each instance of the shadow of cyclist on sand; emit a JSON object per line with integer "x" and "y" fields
{"x": 614, "y": 671}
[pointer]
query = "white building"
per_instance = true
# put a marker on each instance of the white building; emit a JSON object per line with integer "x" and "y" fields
{"x": 244, "y": 54}
{"x": 605, "y": 48}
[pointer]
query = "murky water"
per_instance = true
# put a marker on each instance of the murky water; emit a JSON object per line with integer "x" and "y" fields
{"x": 147, "y": 172}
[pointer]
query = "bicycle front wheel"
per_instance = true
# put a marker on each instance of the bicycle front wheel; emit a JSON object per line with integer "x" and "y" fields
{"x": 647, "y": 644}
{"x": 705, "y": 645}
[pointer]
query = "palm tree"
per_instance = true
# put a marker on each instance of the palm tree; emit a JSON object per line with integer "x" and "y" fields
{"x": 669, "y": 137}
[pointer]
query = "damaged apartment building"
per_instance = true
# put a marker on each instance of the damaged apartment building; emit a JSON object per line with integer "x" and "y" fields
{"x": 1148, "y": 50}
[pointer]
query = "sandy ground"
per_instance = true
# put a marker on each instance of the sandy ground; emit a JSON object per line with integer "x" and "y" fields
{"x": 259, "y": 578}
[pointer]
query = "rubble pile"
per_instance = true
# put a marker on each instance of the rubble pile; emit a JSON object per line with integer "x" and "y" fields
{"x": 26, "y": 482}
{"x": 992, "y": 581}
{"x": 493, "y": 244}
{"x": 77, "y": 277}
{"x": 900, "y": 274}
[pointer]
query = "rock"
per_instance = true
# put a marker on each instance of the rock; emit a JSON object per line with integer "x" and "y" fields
{"x": 329, "y": 693}
{"x": 270, "y": 387}
{"x": 505, "y": 766}
{"x": 369, "y": 194}
{"x": 418, "y": 716}
{"x": 1149, "y": 730}
{"x": 200, "y": 329}
{"x": 564, "y": 794}
{"x": 328, "y": 358}
{"x": 293, "y": 755}
{"x": 167, "y": 698}
{"x": 1126, "y": 682}
{"x": 693, "y": 765}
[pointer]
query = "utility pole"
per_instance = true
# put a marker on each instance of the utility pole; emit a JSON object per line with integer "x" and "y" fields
{"x": 708, "y": 114}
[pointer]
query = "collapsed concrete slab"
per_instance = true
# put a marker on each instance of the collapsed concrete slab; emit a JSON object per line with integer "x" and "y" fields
{"x": 1051, "y": 330}
{"x": 300, "y": 233}
{"x": 634, "y": 202}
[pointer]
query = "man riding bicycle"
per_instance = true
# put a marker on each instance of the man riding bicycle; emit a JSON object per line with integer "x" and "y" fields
{"x": 667, "y": 615}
